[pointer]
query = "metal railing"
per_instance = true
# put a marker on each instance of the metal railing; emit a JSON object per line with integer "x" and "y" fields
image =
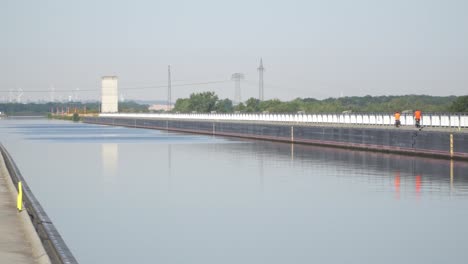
{"x": 451, "y": 120}
{"x": 53, "y": 243}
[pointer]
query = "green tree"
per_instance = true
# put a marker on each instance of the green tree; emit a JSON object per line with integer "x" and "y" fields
{"x": 133, "y": 107}
{"x": 76, "y": 117}
{"x": 223, "y": 106}
{"x": 182, "y": 105}
{"x": 460, "y": 104}
{"x": 270, "y": 105}
{"x": 240, "y": 107}
{"x": 252, "y": 105}
{"x": 203, "y": 102}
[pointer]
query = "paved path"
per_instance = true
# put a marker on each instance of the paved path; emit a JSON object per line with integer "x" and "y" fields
{"x": 14, "y": 245}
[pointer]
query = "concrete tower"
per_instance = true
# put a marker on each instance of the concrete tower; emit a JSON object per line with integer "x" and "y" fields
{"x": 260, "y": 80}
{"x": 109, "y": 95}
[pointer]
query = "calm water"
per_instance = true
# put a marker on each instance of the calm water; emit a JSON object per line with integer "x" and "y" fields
{"x": 124, "y": 195}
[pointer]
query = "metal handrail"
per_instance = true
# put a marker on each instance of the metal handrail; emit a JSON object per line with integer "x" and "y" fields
{"x": 54, "y": 245}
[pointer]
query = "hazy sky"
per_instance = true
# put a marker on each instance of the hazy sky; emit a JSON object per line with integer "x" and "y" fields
{"x": 310, "y": 48}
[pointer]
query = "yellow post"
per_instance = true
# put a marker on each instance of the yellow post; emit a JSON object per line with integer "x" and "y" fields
{"x": 19, "y": 202}
{"x": 451, "y": 145}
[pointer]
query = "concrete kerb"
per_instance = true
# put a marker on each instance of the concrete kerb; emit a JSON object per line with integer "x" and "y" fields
{"x": 38, "y": 251}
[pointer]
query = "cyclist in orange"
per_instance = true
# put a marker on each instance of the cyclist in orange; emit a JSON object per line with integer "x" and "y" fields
{"x": 417, "y": 118}
{"x": 397, "y": 119}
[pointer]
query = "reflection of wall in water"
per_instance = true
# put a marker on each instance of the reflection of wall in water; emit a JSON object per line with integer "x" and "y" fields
{"x": 110, "y": 159}
{"x": 416, "y": 174}
{"x": 412, "y": 174}
{"x": 169, "y": 166}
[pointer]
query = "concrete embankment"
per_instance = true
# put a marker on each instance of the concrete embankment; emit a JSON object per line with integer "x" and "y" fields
{"x": 440, "y": 143}
{"x": 28, "y": 236}
{"x": 15, "y": 247}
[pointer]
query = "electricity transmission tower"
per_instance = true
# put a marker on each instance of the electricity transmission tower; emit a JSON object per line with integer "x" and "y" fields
{"x": 169, "y": 92}
{"x": 237, "y": 77}
{"x": 260, "y": 80}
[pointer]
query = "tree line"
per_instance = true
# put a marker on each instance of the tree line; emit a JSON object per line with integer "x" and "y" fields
{"x": 45, "y": 108}
{"x": 207, "y": 102}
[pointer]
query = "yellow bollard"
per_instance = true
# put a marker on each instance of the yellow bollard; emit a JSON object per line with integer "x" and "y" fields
{"x": 19, "y": 202}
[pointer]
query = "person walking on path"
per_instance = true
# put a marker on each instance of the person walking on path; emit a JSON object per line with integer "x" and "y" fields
{"x": 397, "y": 119}
{"x": 417, "y": 118}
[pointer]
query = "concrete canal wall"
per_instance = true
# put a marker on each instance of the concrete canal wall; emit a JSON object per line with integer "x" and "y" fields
{"x": 445, "y": 120}
{"x": 46, "y": 244}
{"x": 442, "y": 143}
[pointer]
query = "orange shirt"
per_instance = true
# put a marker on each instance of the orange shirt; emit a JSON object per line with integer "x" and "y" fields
{"x": 397, "y": 116}
{"x": 417, "y": 114}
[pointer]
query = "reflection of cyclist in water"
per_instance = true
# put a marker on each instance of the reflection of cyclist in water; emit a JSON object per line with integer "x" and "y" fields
{"x": 417, "y": 118}
{"x": 397, "y": 119}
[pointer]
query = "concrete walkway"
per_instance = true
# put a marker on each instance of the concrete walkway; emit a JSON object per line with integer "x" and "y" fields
{"x": 14, "y": 244}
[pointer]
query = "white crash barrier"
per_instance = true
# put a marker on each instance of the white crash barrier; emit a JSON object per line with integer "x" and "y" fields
{"x": 464, "y": 121}
{"x": 428, "y": 119}
{"x": 444, "y": 120}
{"x": 386, "y": 120}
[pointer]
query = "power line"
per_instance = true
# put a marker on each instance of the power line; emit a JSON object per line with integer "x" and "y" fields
{"x": 124, "y": 88}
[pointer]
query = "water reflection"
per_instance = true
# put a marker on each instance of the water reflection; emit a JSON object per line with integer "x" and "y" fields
{"x": 414, "y": 175}
{"x": 110, "y": 160}
{"x": 451, "y": 174}
{"x": 261, "y": 173}
{"x": 418, "y": 184}
{"x": 292, "y": 151}
{"x": 397, "y": 185}
{"x": 169, "y": 166}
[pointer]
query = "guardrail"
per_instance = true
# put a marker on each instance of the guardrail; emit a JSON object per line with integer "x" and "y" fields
{"x": 51, "y": 240}
{"x": 453, "y": 120}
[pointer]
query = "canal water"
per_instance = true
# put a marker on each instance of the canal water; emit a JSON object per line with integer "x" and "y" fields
{"x": 126, "y": 195}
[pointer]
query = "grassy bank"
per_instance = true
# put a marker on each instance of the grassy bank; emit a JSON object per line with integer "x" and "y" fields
{"x": 70, "y": 117}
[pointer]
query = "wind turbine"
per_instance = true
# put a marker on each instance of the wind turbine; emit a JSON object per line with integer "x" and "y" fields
{"x": 19, "y": 94}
